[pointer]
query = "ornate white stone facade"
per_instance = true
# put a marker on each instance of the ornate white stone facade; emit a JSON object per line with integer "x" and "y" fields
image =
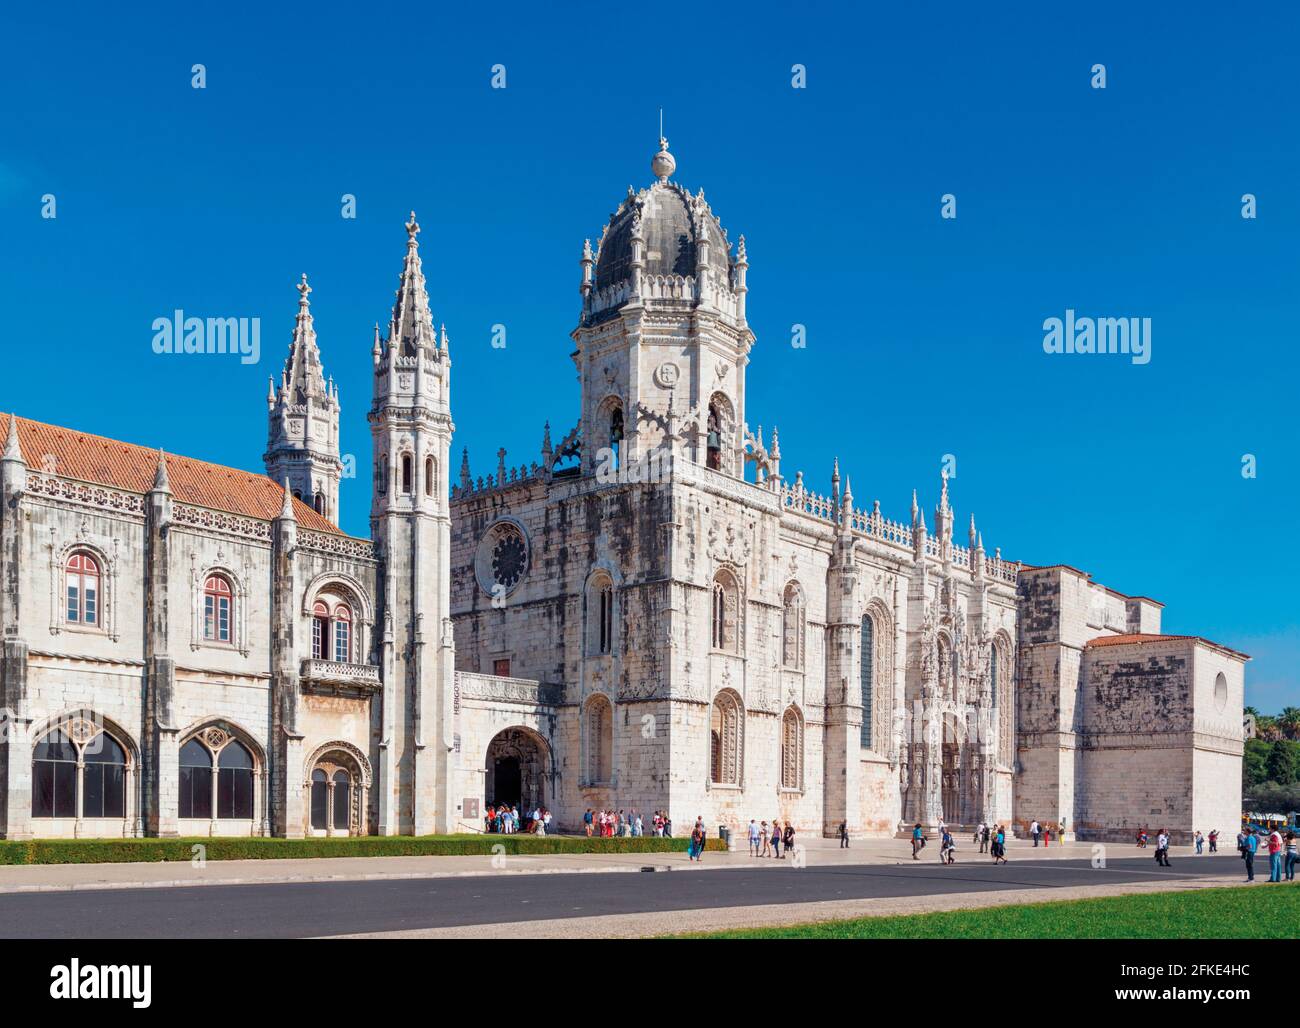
{"x": 651, "y": 616}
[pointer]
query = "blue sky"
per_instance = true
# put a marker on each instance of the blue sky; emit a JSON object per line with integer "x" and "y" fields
{"x": 924, "y": 335}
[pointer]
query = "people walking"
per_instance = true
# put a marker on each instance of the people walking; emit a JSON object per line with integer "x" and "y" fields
{"x": 1035, "y": 829}
{"x": 1214, "y": 841}
{"x": 984, "y": 838}
{"x": 1248, "y": 847}
{"x": 947, "y": 847}
{"x": 788, "y": 838}
{"x": 918, "y": 841}
{"x": 753, "y": 838}
{"x": 1162, "y": 848}
{"x": 776, "y": 839}
{"x": 1000, "y": 846}
{"x": 1291, "y": 855}
{"x": 1200, "y": 842}
{"x": 767, "y": 849}
{"x": 844, "y": 835}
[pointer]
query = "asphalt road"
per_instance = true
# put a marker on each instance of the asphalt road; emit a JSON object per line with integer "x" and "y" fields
{"x": 339, "y": 908}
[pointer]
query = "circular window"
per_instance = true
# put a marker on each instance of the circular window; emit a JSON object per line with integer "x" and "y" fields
{"x": 502, "y": 559}
{"x": 1220, "y": 691}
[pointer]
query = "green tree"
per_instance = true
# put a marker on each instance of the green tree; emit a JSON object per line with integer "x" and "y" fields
{"x": 1282, "y": 760}
{"x": 1254, "y": 762}
{"x": 1289, "y": 722}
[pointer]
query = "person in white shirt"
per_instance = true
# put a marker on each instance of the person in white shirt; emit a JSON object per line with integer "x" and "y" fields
{"x": 753, "y": 838}
{"x": 1162, "y": 848}
{"x": 1035, "y": 831}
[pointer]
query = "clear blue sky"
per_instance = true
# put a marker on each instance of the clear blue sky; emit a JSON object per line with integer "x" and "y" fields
{"x": 924, "y": 335}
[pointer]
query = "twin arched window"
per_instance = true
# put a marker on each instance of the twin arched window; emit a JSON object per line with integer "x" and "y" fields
{"x": 83, "y": 590}
{"x": 331, "y": 800}
{"x": 226, "y": 778}
{"x": 600, "y": 616}
{"x": 600, "y": 741}
{"x": 77, "y": 780}
{"x": 331, "y": 631}
{"x": 218, "y": 609}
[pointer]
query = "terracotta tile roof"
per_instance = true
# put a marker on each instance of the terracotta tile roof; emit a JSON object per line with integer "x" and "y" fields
{"x": 92, "y": 458}
{"x": 1142, "y": 637}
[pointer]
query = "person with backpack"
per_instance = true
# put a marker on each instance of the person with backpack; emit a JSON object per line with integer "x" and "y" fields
{"x": 788, "y": 838}
{"x": 947, "y": 847}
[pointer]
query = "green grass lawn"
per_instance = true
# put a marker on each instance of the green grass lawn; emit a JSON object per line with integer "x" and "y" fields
{"x": 115, "y": 851}
{"x": 1259, "y": 911}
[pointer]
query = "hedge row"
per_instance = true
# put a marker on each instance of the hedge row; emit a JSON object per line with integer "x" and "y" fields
{"x": 123, "y": 851}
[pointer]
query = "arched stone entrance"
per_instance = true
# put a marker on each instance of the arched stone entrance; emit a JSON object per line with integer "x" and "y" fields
{"x": 517, "y": 765}
{"x": 337, "y": 788}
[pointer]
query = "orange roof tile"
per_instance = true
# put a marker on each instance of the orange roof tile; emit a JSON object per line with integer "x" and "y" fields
{"x": 1145, "y": 637}
{"x": 91, "y": 458}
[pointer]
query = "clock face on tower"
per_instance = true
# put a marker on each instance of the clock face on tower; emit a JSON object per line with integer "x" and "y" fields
{"x": 501, "y": 561}
{"x": 509, "y": 559}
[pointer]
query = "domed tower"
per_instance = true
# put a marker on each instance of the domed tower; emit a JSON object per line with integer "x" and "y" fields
{"x": 663, "y": 342}
{"x": 303, "y": 420}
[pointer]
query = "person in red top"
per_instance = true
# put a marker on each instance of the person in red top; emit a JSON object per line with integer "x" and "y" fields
{"x": 1274, "y": 856}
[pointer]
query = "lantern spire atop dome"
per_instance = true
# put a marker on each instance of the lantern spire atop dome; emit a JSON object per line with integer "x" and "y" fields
{"x": 663, "y": 164}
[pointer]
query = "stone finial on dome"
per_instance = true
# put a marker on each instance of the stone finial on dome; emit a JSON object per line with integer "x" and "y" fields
{"x": 663, "y": 164}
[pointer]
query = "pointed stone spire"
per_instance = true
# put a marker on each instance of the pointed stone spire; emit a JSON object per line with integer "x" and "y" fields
{"x": 915, "y": 508}
{"x": 835, "y": 482}
{"x": 270, "y": 390}
{"x": 943, "y": 495}
{"x": 377, "y": 351}
{"x": 547, "y": 449}
{"x": 286, "y": 507}
{"x": 411, "y": 330}
{"x": 13, "y": 449}
{"x": 776, "y": 444}
{"x": 161, "y": 484}
{"x": 304, "y": 377}
{"x": 465, "y": 480}
{"x": 444, "y": 337}
{"x": 973, "y": 533}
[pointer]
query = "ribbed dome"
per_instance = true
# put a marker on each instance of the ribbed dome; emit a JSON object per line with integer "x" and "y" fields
{"x": 672, "y": 224}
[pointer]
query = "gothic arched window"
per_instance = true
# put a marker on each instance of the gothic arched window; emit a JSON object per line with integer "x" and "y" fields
{"x": 867, "y": 676}
{"x": 791, "y": 749}
{"x": 600, "y": 741}
{"x": 216, "y": 777}
{"x": 319, "y": 503}
{"x": 407, "y": 486}
{"x": 331, "y": 630}
{"x": 83, "y": 606}
{"x": 792, "y": 627}
{"x": 74, "y": 780}
{"x": 196, "y": 780}
{"x": 235, "y": 782}
{"x": 428, "y": 476}
{"x": 218, "y": 609}
{"x": 725, "y": 613}
{"x": 600, "y": 615}
{"x": 725, "y": 739}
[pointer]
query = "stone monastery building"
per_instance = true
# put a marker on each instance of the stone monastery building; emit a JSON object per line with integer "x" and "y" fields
{"x": 651, "y": 616}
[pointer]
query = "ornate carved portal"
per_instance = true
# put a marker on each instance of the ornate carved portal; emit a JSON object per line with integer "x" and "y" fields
{"x": 517, "y": 766}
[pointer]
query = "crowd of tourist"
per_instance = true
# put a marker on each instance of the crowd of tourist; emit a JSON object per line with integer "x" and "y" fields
{"x": 608, "y": 824}
{"x": 505, "y": 819}
{"x": 1283, "y": 852}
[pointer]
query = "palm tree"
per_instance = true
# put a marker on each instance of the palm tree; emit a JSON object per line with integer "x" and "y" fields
{"x": 1289, "y": 722}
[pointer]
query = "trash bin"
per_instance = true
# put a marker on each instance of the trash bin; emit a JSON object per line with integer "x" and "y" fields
{"x": 729, "y": 840}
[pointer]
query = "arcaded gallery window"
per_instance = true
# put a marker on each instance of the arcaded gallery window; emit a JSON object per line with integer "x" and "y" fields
{"x": 78, "y": 780}
{"x": 331, "y": 630}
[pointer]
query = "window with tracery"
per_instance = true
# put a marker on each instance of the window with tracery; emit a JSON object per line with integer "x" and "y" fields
{"x": 218, "y": 609}
{"x": 725, "y": 627}
{"x": 725, "y": 740}
{"x": 792, "y": 627}
{"x": 791, "y": 750}
{"x": 83, "y": 590}
{"x": 600, "y": 740}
